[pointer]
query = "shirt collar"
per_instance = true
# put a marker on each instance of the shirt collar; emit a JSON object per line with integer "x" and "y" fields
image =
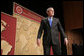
{"x": 51, "y": 18}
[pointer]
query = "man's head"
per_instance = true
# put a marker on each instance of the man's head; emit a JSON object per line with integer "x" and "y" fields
{"x": 50, "y": 11}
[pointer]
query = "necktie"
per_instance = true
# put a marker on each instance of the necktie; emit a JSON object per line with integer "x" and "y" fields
{"x": 50, "y": 21}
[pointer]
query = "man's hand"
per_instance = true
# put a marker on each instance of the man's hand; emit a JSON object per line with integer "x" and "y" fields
{"x": 38, "y": 42}
{"x": 65, "y": 41}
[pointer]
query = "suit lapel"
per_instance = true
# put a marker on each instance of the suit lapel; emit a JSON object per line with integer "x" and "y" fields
{"x": 53, "y": 22}
{"x": 47, "y": 21}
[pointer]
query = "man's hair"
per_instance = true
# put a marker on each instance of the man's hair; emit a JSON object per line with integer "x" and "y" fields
{"x": 49, "y": 9}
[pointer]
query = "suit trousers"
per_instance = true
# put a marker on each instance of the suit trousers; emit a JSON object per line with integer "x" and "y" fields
{"x": 56, "y": 49}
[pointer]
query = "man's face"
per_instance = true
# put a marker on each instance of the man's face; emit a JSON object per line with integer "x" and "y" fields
{"x": 50, "y": 12}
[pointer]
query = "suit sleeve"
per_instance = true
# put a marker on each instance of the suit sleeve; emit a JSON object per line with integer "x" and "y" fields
{"x": 40, "y": 30}
{"x": 61, "y": 29}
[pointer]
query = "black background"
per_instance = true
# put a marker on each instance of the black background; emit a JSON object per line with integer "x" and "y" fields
{"x": 38, "y": 6}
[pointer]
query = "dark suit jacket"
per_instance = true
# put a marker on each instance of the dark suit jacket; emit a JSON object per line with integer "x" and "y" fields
{"x": 50, "y": 33}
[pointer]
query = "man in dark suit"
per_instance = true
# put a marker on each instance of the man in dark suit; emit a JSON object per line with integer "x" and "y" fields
{"x": 51, "y": 27}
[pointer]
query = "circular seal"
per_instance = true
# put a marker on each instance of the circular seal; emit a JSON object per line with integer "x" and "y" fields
{"x": 19, "y": 10}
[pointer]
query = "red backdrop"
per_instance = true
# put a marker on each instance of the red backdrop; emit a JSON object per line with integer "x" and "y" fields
{"x": 10, "y": 32}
